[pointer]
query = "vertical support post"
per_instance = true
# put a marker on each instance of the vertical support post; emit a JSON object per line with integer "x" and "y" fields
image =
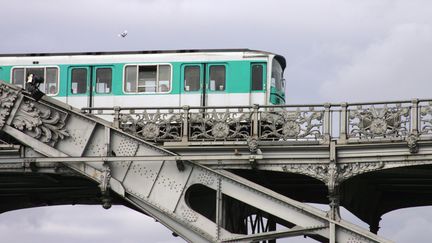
{"x": 415, "y": 117}
{"x": 253, "y": 140}
{"x": 327, "y": 123}
{"x": 333, "y": 183}
{"x": 116, "y": 121}
{"x": 333, "y": 191}
{"x": 413, "y": 137}
{"x": 106, "y": 172}
{"x": 332, "y": 235}
{"x": 185, "y": 135}
{"x": 343, "y": 128}
{"x": 105, "y": 186}
{"x": 255, "y": 121}
{"x": 219, "y": 209}
{"x": 334, "y": 210}
{"x": 107, "y": 149}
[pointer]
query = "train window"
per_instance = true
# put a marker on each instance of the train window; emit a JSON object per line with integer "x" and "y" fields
{"x": 257, "y": 76}
{"x": 217, "y": 77}
{"x": 164, "y": 78}
{"x": 51, "y": 81}
{"x": 49, "y": 75}
{"x": 277, "y": 76}
{"x": 130, "y": 79}
{"x": 36, "y": 72}
{"x": 103, "y": 80}
{"x": 18, "y": 77}
{"x": 147, "y": 78}
{"x": 79, "y": 81}
{"x": 192, "y": 78}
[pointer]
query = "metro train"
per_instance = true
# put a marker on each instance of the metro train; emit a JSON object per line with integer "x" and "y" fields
{"x": 153, "y": 78}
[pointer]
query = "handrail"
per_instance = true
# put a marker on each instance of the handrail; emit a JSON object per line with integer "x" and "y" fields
{"x": 331, "y": 105}
{"x": 345, "y": 122}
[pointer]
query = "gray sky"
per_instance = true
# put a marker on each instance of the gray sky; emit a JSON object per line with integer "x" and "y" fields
{"x": 336, "y": 50}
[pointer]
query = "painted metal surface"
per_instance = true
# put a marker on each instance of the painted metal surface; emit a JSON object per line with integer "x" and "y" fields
{"x": 408, "y": 121}
{"x": 193, "y": 146}
{"x": 237, "y": 88}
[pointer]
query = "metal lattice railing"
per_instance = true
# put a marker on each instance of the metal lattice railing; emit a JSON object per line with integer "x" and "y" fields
{"x": 354, "y": 122}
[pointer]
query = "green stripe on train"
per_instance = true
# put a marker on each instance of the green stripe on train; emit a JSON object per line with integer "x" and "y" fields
{"x": 238, "y": 79}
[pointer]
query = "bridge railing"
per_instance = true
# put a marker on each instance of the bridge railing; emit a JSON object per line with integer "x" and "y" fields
{"x": 425, "y": 118}
{"x": 318, "y": 123}
{"x": 204, "y": 124}
{"x": 379, "y": 121}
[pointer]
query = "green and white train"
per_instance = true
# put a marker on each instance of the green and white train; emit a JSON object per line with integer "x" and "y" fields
{"x": 153, "y": 78}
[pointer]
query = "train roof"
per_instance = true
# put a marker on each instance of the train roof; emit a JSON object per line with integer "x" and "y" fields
{"x": 132, "y": 52}
{"x": 280, "y": 58}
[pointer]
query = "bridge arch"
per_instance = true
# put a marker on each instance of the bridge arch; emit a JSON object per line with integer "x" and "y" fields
{"x": 373, "y": 194}
{"x": 156, "y": 178}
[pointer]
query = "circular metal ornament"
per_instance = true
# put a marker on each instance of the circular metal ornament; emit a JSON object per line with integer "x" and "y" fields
{"x": 220, "y": 130}
{"x": 291, "y": 129}
{"x": 378, "y": 126}
{"x": 150, "y": 131}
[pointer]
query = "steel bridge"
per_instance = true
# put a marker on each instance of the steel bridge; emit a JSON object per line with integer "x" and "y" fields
{"x": 221, "y": 174}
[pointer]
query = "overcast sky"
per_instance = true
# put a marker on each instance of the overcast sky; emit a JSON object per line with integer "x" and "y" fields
{"x": 336, "y": 50}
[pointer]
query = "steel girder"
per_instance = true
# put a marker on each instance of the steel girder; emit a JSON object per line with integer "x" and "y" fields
{"x": 159, "y": 187}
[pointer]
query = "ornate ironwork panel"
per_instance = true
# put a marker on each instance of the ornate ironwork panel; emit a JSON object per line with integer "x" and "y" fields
{"x": 220, "y": 125}
{"x": 284, "y": 124}
{"x": 426, "y": 119}
{"x": 7, "y": 100}
{"x": 346, "y": 122}
{"x": 165, "y": 125}
{"x": 388, "y": 121}
{"x": 41, "y": 122}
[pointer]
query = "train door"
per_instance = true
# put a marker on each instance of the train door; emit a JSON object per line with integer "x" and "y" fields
{"x": 192, "y": 86}
{"x": 89, "y": 86}
{"x": 258, "y": 83}
{"x": 203, "y": 84}
{"x": 101, "y": 84}
{"x": 216, "y": 80}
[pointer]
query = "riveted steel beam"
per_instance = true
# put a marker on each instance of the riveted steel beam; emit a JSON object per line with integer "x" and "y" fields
{"x": 148, "y": 176}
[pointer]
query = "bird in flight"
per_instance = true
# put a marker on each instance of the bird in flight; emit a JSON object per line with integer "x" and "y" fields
{"x": 123, "y": 34}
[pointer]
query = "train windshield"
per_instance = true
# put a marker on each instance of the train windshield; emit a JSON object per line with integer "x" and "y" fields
{"x": 277, "y": 84}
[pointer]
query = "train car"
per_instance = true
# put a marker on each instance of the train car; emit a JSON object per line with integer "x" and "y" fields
{"x": 153, "y": 78}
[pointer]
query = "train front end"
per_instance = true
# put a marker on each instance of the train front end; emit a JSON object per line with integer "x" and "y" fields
{"x": 277, "y": 81}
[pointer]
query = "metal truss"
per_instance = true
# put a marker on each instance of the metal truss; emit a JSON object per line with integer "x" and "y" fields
{"x": 192, "y": 199}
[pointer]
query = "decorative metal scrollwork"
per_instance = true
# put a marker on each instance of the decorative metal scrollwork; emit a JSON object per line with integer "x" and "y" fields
{"x": 105, "y": 177}
{"x": 44, "y": 124}
{"x": 388, "y": 122}
{"x": 153, "y": 126}
{"x": 412, "y": 142}
{"x": 346, "y": 171}
{"x": 333, "y": 173}
{"x": 284, "y": 124}
{"x": 426, "y": 119}
{"x": 318, "y": 171}
{"x": 215, "y": 125}
{"x": 7, "y": 100}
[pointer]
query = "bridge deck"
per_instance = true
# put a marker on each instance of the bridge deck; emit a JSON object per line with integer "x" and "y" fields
{"x": 239, "y": 163}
